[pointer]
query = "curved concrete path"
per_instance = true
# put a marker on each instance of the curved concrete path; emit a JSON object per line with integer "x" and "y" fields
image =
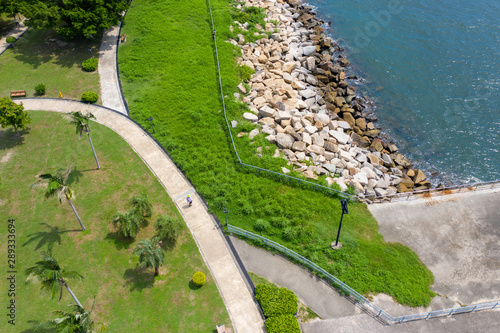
{"x": 111, "y": 94}
{"x": 17, "y": 32}
{"x": 242, "y": 308}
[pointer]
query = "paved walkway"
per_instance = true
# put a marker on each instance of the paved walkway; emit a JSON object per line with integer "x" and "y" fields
{"x": 313, "y": 291}
{"x": 111, "y": 94}
{"x": 16, "y": 32}
{"x": 242, "y": 308}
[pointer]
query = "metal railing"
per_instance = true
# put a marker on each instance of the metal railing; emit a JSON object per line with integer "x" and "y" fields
{"x": 360, "y": 299}
{"x": 432, "y": 192}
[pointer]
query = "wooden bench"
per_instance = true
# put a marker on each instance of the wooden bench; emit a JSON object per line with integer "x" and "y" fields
{"x": 221, "y": 328}
{"x": 123, "y": 39}
{"x": 18, "y": 93}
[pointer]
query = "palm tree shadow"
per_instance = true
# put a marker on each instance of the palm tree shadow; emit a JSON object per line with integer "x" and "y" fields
{"x": 49, "y": 238}
{"x": 74, "y": 176}
{"x": 36, "y": 328}
{"x": 121, "y": 243}
{"x": 138, "y": 278}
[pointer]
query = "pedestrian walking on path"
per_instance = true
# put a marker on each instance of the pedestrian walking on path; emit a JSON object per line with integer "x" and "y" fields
{"x": 189, "y": 200}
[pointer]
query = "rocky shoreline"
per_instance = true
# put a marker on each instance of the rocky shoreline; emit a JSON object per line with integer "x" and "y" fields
{"x": 301, "y": 98}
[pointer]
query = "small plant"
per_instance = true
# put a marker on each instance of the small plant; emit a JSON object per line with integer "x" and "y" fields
{"x": 89, "y": 97}
{"x": 89, "y": 65}
{"x": 40, "y": 89}
{"x": 168, "y": 228}
{"x": 199, "y": 279}
{"x": 261, "y": 225}
{"x": 289, "y": 234}
{"x": 280, "y": 222}
{"x": 245, "y": 72}
{"x": 276, "y": 301}
{"x": 282, "y": 324}
{"x": 10, "y": 39}
{"x": 141, "y": 206}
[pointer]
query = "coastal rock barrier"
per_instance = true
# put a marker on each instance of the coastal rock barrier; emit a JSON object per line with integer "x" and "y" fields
{"x": 301, "y": 98}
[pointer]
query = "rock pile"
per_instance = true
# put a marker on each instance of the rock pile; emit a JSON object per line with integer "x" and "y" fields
{"x": 300, "y": 97}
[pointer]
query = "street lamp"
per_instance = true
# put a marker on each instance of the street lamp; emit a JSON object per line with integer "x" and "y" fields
{"x": 343, "y": 203}
{"x": 151, "y": 120}
{"x": 225, "y": 211}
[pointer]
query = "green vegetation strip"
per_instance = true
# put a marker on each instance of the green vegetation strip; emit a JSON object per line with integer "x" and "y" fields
{"x": 128, "y": 298}
{"x": 168, "y": 71}
{"x": 41, "y": 56}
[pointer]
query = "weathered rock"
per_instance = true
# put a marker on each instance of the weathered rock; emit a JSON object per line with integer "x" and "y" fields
{"x": 308, "y": 50}
{"x": 419, "y": 177}
{"x": 344, "y": 125}
{"x": 266, "y": 111}
{"x": 250, "y": 117}
{"x": 330, "y": 167}
{"x": 285, "y": 170}
{"x": 410, "y": 173}
{"x": 299, "y": 146}
{"x": 253, "y": 133}
{"x": 377, "y": 145}
{"x": 309, "y": 174}
{"x": 373, "y": 159}
{"x": 234, "y": 123}
{"x": 349, "y": 119}
{"x": 341, "y": 137}
{"x": 284, "y": 141}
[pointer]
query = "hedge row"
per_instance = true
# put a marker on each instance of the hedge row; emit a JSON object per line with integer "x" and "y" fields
{"x": 279, "y": 306}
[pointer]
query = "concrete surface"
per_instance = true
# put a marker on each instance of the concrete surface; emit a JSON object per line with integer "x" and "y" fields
{"x": 16, "y": 32}
{"x": 241, "y": 306}
{"x": 111, "y": 94}
{"x": 456, "y": 237}
{"x": 311, "y": 290}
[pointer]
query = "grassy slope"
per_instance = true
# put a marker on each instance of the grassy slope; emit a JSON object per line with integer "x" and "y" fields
{"x": 168, "y": 71}
{"x": 127, "y": 298}
{"x": 40, "y": 56}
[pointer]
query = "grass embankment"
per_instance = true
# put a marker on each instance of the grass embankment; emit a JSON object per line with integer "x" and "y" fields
{"x": 128, "y": 299}
{"x": 41, "y": 56}
{"x": 168, "y": 71}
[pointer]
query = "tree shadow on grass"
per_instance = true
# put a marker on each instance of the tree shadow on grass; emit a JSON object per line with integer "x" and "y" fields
{"x": 41, "y": 46}
{"x": 74, "y": 176}
{"x": 36, "y": 328}
{"x": 121, "y": 243}
{"x": 49, "y": 238}
{"x": 139, "y": 278}
{"x": 9, "y": 138}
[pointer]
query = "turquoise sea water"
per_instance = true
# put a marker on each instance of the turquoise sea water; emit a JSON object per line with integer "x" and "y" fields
{"x": 433, "y": 69}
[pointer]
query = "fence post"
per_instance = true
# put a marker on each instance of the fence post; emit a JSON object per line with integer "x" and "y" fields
{"x": 495, "y": 305}
{"x": 451, "y": 312}
{"x": 379, "y": 313}
{"x": 474, "y": 309}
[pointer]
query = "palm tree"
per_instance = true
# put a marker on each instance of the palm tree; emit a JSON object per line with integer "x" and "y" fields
{"x": 76, "y": 321}
{"x": 150, "y": 253}
{"x": 141, "y": 206}
{"x": 128, "y": 223}
{"x": 56, "y": 184}
{"x": 81, "y": 123}
{"x": 52, "y": 276}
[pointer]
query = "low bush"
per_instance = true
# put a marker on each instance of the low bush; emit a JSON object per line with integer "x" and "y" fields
{"x": 89, "y": 97}
{"x": 89, "y": 65}
{"x": 261, "y": 225}
{"x": 276, "y": 301}
{"x": 245, "y": 73}
{"x": 168, "y": 228}
{"x": 10, "y": 39}
{"x": 199, "y": 279}
{"x": 280, "y": 222}
{"x": 289, "y": 234}
{"x": 282, "y": 324}
{"x": 40, "y": 89}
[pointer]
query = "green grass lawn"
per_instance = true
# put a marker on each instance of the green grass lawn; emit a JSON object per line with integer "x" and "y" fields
{"x": 168, "y": 71}
{"x": 128, "y": 299}
{"x": 40, "y": 56}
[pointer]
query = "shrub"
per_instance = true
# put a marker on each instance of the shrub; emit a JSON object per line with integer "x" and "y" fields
{"x": 289, "y": 234}
{"x": 245, "y": 72}
{"x": 282, "y": 324}
{"x": 261, "y": 225}
{"x": 199, "y": 279}
{"x": 10, "y": 39}
{"x": 279, "y": 222}
{"x": 89, "y": 65}
{"x": 141, "y": 205}
{"x": 168, "y": 228}
{"x": 40, "y": 89}
{"x": 275, "y": 301}
{"x": 89, "y": 97}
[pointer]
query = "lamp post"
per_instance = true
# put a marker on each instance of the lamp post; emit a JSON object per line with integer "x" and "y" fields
{"x": 345, "y": 210}
{"x": 225, "y": 211}
{"x": 151, "y": 120}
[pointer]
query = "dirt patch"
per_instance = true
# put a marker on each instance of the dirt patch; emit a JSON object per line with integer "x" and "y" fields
{"x": 7, "y": 156}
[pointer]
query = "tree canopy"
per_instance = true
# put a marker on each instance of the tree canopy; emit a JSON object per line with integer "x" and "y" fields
{"x": 12, "y": 114}
{"x": 72, "y": 18}
{"x": 8, "y": 6}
